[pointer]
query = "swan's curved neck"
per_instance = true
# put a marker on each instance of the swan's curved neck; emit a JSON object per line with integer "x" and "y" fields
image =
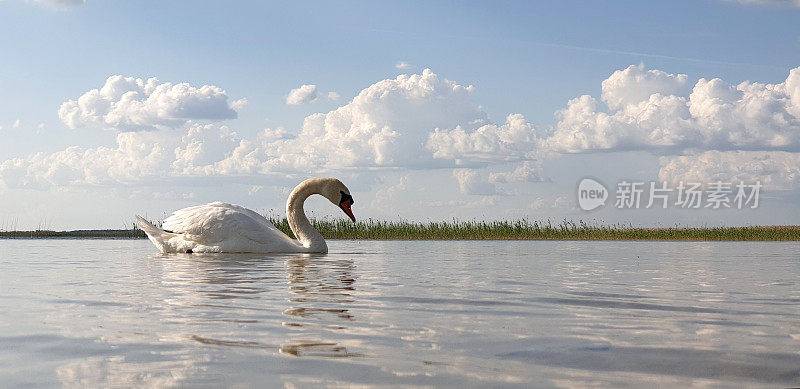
{"x": 309, "y": 237}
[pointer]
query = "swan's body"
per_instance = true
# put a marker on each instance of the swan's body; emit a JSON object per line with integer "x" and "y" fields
{"x": 225, "y": 228}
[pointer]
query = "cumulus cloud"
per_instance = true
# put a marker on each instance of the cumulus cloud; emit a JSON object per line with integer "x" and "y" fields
{"x": 726, "y": 132}
{"x": 635, "y": 84}
{"x": 402, "y": 65}
{"x": 714, "y": 116}
{"x": 470, "y": 182}
{"x": 516, "y": 139}
{"x": 776, "y": 170}
{"x": 333, "y": 96}
{"x": 137, "y": 157}
{"x": 388, "y": 193}
{"x": 202, "y": 147}
{"x": 527, "y": 171}
{"x": 238, "y": 105}
{"x": 420, "y": 121}
{"x": 140, "y": 158}
{"x": 386, "y": 125}
{"x": 302, "y": 95}
{"x": 131, "y": 104}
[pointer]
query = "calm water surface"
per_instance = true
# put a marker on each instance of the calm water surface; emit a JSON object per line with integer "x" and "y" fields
{"x": 412, "y": 313}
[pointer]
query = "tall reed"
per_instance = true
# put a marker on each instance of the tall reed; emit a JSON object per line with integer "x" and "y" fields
{"x": 525, "y": 229}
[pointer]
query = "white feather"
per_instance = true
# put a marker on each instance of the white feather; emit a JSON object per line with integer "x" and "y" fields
{"x": 226, "y": 228}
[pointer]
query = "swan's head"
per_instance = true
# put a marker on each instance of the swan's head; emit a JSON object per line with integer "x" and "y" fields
{"x": 337, "y": 193}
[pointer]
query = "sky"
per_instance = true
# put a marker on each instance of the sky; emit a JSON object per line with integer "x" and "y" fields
{"x": 425, "y": 110}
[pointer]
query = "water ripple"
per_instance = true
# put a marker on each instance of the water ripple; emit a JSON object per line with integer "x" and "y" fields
{"x": 765, "y": 367}
{"x": 429, "y": 313}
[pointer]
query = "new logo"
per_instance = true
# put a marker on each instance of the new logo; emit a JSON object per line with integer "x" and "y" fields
{"x": 591, "y": 194}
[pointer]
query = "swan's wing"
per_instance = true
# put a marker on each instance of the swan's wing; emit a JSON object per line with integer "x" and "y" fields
{"x": 218, "y": 223}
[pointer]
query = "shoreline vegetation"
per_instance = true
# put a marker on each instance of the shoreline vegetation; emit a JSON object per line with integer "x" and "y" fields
{"x": 477, "y": 230}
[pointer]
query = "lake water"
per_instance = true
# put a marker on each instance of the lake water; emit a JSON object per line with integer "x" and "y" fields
{"x": 402, "y": 313}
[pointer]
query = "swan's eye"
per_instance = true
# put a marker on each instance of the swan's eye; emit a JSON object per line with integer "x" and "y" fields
{"x": 345, "y": 197}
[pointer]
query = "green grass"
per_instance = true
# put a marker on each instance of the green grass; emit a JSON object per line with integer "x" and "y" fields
{"x": 524, "y": 229}
{"x": 507, "y": 229}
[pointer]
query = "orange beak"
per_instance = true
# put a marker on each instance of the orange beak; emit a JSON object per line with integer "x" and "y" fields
{"x": 345, "y": 206}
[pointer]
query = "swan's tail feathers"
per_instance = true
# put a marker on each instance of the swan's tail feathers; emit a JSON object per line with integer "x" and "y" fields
{"x": 158, "y": 236}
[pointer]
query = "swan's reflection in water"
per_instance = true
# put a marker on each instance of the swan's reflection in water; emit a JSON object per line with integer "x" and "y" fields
{"x": 321, "y": 291}
{"x": 310, "y": 348}
{"x": 291, "y": 305}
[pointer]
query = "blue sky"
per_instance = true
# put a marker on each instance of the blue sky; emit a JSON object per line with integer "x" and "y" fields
{"x": 526, "y": 58}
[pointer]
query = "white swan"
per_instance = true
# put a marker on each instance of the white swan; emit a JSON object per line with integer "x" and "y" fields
{"x": 225, "y": 228}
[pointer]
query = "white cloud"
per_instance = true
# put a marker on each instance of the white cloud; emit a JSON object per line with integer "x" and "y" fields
{"x": 748, "y": 131}
{"x": 255, "y": 189}
{"x": 420, "y": 121}
{"x": 402, "y": 65}
{"x": 385, "y": 194}
{"x": 776, "y": 170}
{"x": 302, "y": 95}
{"x": 238, "y": 105}
{"x": 423, "y": 121}
{"x": 659, "y": 122}
{"x": 131, "y": 104}
{"x": 516, "y": 139}
{"x": 635, "y": 84}
{"x": 269, "y": 135}
{"x": 470, "y": 182}
{"x": 716, "y": 115}
{"x": 527, "y": 171}
{"x": 386, "y": 125}
{"x": 137, "y": 157}
{"x": 333, "y": 96}
{"x": 202, "y": 147}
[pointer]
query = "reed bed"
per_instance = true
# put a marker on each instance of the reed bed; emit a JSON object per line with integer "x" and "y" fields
{"x": 477, "y": 229}
{"x": 525, "y": 229}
